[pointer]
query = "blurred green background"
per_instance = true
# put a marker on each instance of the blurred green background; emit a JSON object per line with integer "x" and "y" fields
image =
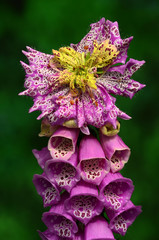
{"x": 51, "y": 24}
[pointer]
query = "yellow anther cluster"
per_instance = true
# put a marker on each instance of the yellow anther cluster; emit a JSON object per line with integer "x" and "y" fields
{"x": 79, "y": 69}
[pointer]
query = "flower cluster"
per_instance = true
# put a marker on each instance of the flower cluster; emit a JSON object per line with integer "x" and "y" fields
{"x": 88, "y": 197}
{"x": 80, "y": 181}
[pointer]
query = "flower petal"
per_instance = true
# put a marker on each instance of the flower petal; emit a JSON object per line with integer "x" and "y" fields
{"x": 98, "y": 32}
{"x": 79, "y": 236}
{"x": 93, "y": 164}
{"x": 116, "y": 151}
{"x": 47, "y": 235}
{"x": 96, "y": 110}
{"x": 122, "y": 46}
{"x": 115, "y": 191}
{"x": 98, "y": 229}
{"x": 58, "y": 221}
{"x": 63, "y": 142}
{"x": 42, "y": 156}
{"x": 112, "y": 115}
{"x": 47, "y": 190}
{"x": 64, "y": 173}
{"x": 83, "y": 203}
{"x": 120, "y": 221}
{"x": 119, "y": 82}
{"x": 101, "y": 31}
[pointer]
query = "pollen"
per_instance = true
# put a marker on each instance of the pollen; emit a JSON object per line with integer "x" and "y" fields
{"x": 78, "y": 70}
{"x": 86, "y": 47}
{"x": 72, "y": 102}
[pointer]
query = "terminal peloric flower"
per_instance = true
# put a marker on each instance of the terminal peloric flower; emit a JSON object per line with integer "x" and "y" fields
{"x": 75, "y": 82}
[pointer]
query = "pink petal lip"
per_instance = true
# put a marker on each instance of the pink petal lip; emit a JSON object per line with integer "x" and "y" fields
{"x": 42, "y": 156}
{"x": 63, "y": 142}
{"x": 47, "y": 235}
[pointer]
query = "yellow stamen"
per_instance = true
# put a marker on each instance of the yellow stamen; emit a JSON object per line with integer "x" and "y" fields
{"x": 80, "y": 69}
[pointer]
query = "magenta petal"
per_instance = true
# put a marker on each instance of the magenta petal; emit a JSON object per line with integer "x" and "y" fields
{"x": 121, "y": 220}
{"x": 115, "y": 191}
{"x": 59, "y": 221}
{"x": 83, "y": 203}
{"x": 47, "y": 190}
{"x": 118, "y": 79}
{"x": 116, "y": 151}
{"x": 42, "y": 156}
{"x": 98, "y": 32}
{"x": 93, "y": 164}
{"x": 79, "y": 236}
{"x": 85, "y": 130}
{"x": 47, "y": 235}
{"x": 98, "y": 229}
{"x": 64, "y": 173}
{"x": 63, "y": 142}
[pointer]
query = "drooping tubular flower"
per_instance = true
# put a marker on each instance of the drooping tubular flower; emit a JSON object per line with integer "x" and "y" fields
{"x": 75, "y": 82}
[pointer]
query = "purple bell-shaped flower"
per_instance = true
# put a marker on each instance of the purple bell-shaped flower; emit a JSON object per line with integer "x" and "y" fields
{"x": 83, "y": 203}
{"x": 93, "y": 164}
{"x": 98, "y": 229}
{"x": 59, "y": 221}
{"x": 121, "y": 220}
{"x": 116, "y": 151}
{"x": 63, "y": 142}
{"x": 64, "y": 173}
{"x": 46, "y": 189}
{"x": 115, "y": 191}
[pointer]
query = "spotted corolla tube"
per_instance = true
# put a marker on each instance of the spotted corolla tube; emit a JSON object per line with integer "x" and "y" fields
{"x": 98, "y": 229}
{"x": 115, "y": 150}
{"x": 122, "y": 219}
{"x": 115, "y": 191}
{"x": 84, "y": 203}
{"x": 64, "y": 173}
{"x": 46, "y": 189}
{"x": 92, "y": 162}
{"x": 62, "y": 143}
{"x": 59, "y": 221}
